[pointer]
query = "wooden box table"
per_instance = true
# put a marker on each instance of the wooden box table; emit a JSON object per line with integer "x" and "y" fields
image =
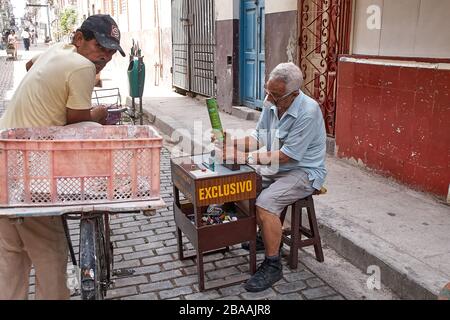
{"x": 202, "y": 188}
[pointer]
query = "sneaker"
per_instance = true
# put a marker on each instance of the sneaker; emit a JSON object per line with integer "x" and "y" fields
{"x": 268, "y": 273}
{"x": 259, "y": 244}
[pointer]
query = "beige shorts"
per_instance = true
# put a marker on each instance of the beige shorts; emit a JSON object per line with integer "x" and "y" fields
{"x": 283, "y": 189}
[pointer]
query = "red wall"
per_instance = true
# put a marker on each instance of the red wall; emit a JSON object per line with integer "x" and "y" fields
{"x": 396, "y": 120}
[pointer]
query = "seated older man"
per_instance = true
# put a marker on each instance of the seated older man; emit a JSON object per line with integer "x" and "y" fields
{"x": 292, "y": 166}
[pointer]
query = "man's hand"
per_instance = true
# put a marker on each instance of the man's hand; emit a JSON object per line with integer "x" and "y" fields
{"x": 99, "y": 114}
{"x": 214, "y": 135}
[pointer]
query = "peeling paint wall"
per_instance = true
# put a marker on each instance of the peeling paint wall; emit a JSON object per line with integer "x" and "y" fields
{"x": 281, "y": 38}
{"x": 227, "y": 53}
{"x": 395, "y": 118}
{"x": 227, "y": 63}
{"x": 280, "y": 43}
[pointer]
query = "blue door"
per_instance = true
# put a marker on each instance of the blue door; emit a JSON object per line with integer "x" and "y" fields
{"x": 252, "y": 52}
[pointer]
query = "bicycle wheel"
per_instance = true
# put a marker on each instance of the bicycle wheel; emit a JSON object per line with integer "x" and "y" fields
{"x": 92, "y": 258}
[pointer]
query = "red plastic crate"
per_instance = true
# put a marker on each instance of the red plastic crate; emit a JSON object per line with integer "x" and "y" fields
{"x": 68, "y": 166}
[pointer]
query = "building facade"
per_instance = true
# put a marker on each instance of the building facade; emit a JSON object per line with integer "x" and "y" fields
{"x": 378, "y": 68}
{"x": 247, "y": 48}
{"x": 146, "y": 22}
{"x": 6, "y": 15}
{"x": 393, "y": 101}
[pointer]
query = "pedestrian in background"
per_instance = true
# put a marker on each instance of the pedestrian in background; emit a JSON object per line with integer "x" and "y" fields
{"x": 26, "y": 37}
{"x": 5, "y": 35}
{"x": 12, "y": 42}
{"x": 12, "y": 38}
{"x": 33, "y": 37}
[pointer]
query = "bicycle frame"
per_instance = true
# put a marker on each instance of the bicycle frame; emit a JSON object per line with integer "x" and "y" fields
{"x": 95, "y": 253}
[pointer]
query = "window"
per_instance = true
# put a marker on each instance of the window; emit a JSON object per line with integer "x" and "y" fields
{"x": 106, "y": 6}
{"x": 113, "y": 7}
{"x": 123, "y": 6}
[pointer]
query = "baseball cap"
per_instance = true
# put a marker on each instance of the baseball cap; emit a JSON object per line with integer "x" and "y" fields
{"x": 105, "y": 30}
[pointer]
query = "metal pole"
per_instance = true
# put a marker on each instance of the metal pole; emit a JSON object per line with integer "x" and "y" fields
{"x": 141, "y": 114}
{"x": 133, "y": 107}
{"x": 140, "y": 88}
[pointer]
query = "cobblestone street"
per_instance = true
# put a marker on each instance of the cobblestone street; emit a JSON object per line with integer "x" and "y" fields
{"x": 6, "y": 80}
{"x": 146, "y": 247}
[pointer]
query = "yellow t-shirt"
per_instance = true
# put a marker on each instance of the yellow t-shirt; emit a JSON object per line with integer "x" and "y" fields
{"x": 60, "y": 78}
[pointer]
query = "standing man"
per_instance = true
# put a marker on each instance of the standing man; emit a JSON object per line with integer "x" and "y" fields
{"x": 292, "y": 129}
{"x": 56, "y": 91}
{"x": 26, "y": 37}
{"x": 36, "y": 36}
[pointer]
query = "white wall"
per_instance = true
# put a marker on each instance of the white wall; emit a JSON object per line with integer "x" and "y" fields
{"x": 399, "y": 27}
{"x": 134, "y": 14}
{"x": 227, "y": 9}
{"x": 409, "y": 28}
{"x": 433, "y": 35}
{"x": 148, "y": 17}
{"x": 273, "y": 6}
{"x": 82, "y": 10}
{"x": 165, "y": 13}
{"x": 122, "y": 18}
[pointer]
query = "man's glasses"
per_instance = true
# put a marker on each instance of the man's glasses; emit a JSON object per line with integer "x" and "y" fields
{"x": 279, "y": 99}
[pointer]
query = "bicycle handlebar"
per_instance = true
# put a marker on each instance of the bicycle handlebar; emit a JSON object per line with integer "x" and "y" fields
{"x": 117, "y": 110}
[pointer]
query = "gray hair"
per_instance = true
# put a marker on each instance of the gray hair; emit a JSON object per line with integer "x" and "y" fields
{"x": 288, "y": 73}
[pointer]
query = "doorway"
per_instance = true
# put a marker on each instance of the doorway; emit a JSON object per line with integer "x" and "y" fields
{"x": 252, "y": 53}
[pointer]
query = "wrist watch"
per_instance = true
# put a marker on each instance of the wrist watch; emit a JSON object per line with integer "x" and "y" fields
{"x": 250, "y": 159}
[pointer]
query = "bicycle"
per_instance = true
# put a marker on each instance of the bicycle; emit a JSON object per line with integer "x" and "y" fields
{"x": 96, "y": 251}
{"x": 94, "y": 198}
{"x": 95, "y": 262}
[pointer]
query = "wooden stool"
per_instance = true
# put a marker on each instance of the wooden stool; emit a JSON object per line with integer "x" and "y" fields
{"x": 293, "y": 237}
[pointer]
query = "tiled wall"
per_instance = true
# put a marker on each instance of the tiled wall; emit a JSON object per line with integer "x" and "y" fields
{"x": 396, "y": 119}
